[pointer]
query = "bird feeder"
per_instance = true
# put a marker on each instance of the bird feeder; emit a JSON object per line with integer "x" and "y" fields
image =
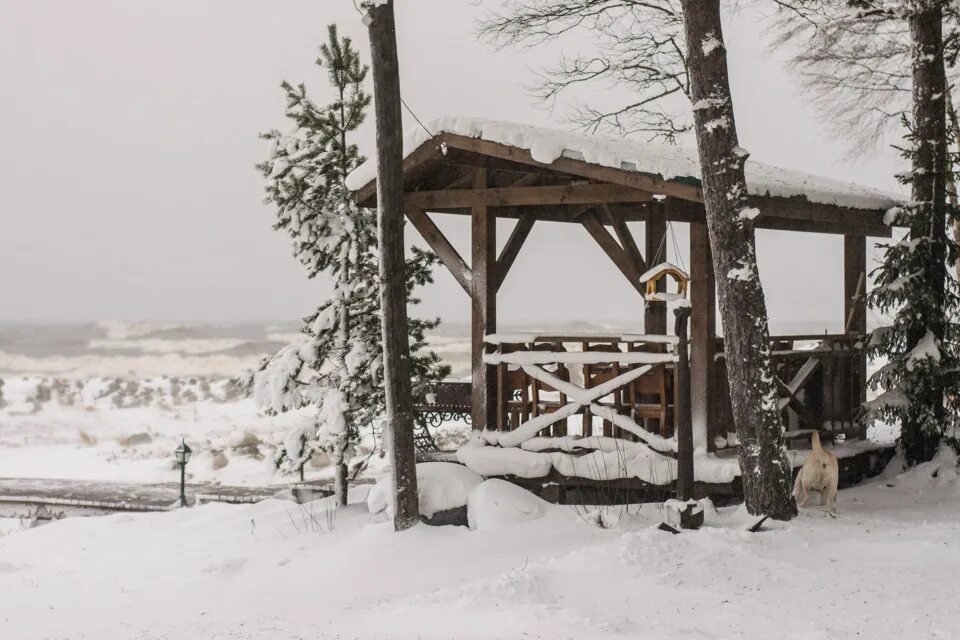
{"x": 671, "y": 272}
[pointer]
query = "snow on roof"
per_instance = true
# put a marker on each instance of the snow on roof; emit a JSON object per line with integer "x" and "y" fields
{"x": 653, "y": 272}
{"x": 669, "y": 162}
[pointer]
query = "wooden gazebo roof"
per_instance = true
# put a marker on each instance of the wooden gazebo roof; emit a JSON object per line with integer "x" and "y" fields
{"x": 543, "y": 174}
{"x": 489, "y": 170}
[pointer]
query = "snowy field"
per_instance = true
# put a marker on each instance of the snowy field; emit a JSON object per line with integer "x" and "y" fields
{"x": 882, "y": 569}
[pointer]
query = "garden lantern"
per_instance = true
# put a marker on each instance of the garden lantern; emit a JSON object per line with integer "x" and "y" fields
{"x": 182, "y": 453}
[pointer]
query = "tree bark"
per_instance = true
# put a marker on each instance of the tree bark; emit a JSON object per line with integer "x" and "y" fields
{"x": 929, "y": 195}
{"x": 951, "y": 180}
{"x": 393, "y": 295}
{"x": 340, "y": 481}
{"x": 765, "y": 467}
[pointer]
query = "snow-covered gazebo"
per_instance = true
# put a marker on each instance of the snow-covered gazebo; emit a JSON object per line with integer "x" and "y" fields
{"x": 487, "y": 170}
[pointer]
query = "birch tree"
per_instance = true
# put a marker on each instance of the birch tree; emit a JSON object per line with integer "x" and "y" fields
{"x": 765, "y": 467}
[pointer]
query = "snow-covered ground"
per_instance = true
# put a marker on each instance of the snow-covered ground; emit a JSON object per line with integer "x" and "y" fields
{"x": 884, "y": 568}
{"x": 111, "y": 401}
{"x": 233, "y": 443}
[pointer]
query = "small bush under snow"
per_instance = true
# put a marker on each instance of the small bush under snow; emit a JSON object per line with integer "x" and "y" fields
{"x": 497, "y": 503}
{"x": 440, "y": 486}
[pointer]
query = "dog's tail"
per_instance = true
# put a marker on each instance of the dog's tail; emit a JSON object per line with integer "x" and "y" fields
{"x": 815, "y": 442}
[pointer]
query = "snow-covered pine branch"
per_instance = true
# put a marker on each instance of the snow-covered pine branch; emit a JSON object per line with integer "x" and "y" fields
{"x": 336, "y": 366}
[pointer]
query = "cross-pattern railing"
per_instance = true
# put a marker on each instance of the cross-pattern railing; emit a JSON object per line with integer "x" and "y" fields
{"x": 608, "y": 386}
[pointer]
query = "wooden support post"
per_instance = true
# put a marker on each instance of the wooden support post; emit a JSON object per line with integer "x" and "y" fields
{"x": 855, "y": 302}
{"x": 484, "y": 306}
{"x": 854, "y": 292}
{"x": 703, "y": 338}
{"x": 655, "y": 248}
{"x": 691, "y": 515}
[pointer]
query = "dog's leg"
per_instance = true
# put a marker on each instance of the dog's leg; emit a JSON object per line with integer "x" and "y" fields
{"x": 805, "y": 491}
{"x": 833, "y": 500}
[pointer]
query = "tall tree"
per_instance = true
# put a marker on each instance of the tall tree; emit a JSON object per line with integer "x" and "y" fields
{"x": 393, "y": 295}
{"x": 336, "y": 365}
{"x": 765, "y": 467}
{"x": 920, "y": 377}
{"x": 637, "y": 46}
{"x": 874, "y": 64}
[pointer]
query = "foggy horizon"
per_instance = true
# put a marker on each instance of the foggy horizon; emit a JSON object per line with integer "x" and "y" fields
{"x": 132, "y": 192}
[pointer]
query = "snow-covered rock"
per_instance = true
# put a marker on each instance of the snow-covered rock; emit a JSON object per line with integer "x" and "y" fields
{"x": 498, "y": 503}
{"x": 440, "y": 486}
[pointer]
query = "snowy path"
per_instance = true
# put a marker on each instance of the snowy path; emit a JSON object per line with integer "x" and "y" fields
{"x": 884, "y": 568}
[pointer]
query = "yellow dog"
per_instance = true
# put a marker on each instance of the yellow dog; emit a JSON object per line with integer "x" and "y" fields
{"x": 820, "y": 472}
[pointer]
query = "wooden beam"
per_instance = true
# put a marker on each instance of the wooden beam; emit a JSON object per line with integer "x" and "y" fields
{"x": 484, "y": 307}
{"x": 861, "y": 221}
{"x": 625, "y": 237}
{"x": 655, "y": 241}
{"x": 510, "y": 196}
{"x": 462, "y": 158}
{"x": 835, "y": 228}
{"x": 366, "y": 196}
{"x": 613, "y": 250}
{"x": 703, "y": 335}
{"x": 814, "y": 212}
{"x": 633, "y": 179}
{"x": 792, "y": 214}
{"x": 525, "y": 180}
{"x": 439, "y": 244}
{"x": 513, "y": 246}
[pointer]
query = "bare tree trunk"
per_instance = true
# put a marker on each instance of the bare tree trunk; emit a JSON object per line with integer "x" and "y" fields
{"x": 393, "y": 294}
{"x": 765, "y": 467}
{"x": 929, "y": 217}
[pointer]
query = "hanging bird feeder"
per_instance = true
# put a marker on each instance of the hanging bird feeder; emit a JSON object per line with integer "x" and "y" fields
{"x": 671, "y": 272}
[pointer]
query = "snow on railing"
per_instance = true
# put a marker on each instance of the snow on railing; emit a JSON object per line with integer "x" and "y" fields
{"x": 582, "y": 398}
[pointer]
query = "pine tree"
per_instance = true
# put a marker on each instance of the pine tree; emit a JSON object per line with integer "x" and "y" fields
{"x": 919, "y": 383}
{"x": 336, "y": 366}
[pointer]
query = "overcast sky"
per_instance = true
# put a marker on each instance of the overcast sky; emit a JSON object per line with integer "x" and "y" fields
{"x": 129, "y": 138}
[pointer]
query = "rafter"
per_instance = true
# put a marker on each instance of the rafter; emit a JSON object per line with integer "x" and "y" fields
{"x": 513, "y": 246}
{"x": 626, "y": 239}
{"x": 613, "y": 250}
{"x": 441, "y": 246}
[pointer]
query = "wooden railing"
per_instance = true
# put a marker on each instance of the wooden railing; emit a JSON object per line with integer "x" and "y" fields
{"x": 625, "y": 381}
{"x": 821, "y": 379}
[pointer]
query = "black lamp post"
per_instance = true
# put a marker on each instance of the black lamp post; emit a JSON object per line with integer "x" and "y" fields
{"x": 183, "y": 457}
